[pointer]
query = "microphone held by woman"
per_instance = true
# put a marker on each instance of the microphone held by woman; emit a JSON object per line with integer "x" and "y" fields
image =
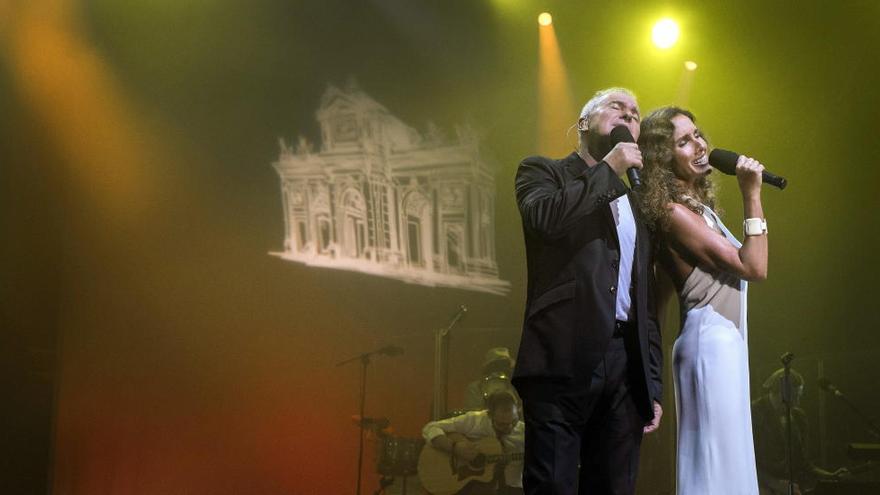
{"x": 725, "y": 161}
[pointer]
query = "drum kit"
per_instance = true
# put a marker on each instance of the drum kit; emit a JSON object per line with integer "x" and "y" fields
{"x": 398, "y": 456}
{"x": 398, "y": 462}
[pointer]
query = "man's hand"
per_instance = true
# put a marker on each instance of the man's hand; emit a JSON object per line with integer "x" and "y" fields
{"x": 465, "y": 451}
{"x": 624, "y": 156}
{"x": 655, "y": 423}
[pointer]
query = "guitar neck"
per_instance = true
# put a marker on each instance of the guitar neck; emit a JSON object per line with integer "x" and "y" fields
{"x": 505, "y": 458}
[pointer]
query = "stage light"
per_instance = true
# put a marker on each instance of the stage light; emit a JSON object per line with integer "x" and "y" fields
{"x": 690, "y": 65}
{"x": 665, "y": 33}
{"x": 555, "y": 101}
{"x": 545, "y": 19}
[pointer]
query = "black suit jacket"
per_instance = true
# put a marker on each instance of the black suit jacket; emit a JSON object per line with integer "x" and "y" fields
{"x": 573, "y": 258}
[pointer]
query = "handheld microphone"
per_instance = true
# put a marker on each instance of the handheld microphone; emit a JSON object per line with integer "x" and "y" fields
{"x": 621, "y": 134}
{"x": 725, "y": 162}
{"x": 787, "y": 358}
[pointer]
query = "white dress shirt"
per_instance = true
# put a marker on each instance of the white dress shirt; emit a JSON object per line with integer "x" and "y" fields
{"x": 626, "y": 234}
{"x": 475, "y": 425}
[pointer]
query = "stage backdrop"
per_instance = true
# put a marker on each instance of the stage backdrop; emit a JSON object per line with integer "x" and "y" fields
{"x": 212, "y": 203}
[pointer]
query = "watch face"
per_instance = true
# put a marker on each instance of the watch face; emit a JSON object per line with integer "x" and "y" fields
{"x": 755, "y": 226}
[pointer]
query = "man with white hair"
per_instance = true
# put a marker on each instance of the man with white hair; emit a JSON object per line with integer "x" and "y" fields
{"x": 589, "y": 363}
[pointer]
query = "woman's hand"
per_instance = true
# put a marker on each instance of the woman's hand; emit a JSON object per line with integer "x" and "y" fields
{"x": 748, "y": 174}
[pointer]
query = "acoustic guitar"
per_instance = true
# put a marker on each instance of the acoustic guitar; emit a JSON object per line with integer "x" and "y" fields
{"x": 443, "y": 474}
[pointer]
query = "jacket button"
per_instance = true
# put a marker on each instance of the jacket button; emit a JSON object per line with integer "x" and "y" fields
{"x": 612, "y": 289}
{"x": 615, "y": 264}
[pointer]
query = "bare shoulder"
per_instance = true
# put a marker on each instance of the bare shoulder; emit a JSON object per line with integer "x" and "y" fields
{"x": 689, "y": 228}
{"x": 682, "y": 218}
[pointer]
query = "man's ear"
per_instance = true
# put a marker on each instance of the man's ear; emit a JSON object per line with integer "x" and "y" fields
{"x": 582, "y": 124}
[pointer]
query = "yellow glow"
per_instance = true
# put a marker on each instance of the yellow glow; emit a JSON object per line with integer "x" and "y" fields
{"x": 556, "y": 108}
{"x": 545, "y": 19}
{"x": 86, "y": 114}
{"x": 690, "y": 65}
{"x": 665, "y": 33}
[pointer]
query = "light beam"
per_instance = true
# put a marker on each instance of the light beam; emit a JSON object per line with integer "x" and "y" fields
{"x": 556, "y": 110}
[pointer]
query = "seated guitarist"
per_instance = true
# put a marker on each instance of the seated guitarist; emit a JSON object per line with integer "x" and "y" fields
{"x": 769, "y": 421}
{"x": 459, "y": 436}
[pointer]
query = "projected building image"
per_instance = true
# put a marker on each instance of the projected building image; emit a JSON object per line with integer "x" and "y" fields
{"x": 382, "y": 198}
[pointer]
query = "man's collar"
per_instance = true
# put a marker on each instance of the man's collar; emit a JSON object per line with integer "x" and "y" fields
{"x": 587, "y": 158}
{"x": 575, "y": 164}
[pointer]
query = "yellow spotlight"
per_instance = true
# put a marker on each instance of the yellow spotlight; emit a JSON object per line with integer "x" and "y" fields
{"x": 545, "y": 19}
{"x": 665, "y": 33}
{"x": 690, "y": 65}
{"x": 555, "y": 103}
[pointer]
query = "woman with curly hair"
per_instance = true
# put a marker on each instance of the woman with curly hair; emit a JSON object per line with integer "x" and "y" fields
{"x": 709, "y": 268}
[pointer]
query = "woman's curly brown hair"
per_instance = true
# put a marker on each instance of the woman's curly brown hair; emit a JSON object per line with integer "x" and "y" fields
{"x": 659, "y": 184}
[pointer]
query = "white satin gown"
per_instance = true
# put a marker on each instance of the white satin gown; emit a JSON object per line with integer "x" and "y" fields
{"x": 715, "y": 451}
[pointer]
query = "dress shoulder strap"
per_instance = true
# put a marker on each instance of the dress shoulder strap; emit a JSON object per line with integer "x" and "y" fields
{"x": 713, "y": 220}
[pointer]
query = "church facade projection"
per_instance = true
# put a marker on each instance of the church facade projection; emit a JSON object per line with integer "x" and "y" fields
{"x": 381, "y": 198}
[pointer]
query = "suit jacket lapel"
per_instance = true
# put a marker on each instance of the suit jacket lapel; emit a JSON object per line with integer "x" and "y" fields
{"x": 574, "y": 165}
{"x": 612, "y": 225}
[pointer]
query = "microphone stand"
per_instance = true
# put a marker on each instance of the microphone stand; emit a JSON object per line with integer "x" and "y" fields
{"x": 872, "y": 428}
{"x": 441, "y": 364}
{"x": 786, "y": 399}
{"x": 365, "y": 360}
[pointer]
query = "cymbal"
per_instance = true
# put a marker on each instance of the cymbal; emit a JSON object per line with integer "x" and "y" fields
{"x": 370, "y": 423}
